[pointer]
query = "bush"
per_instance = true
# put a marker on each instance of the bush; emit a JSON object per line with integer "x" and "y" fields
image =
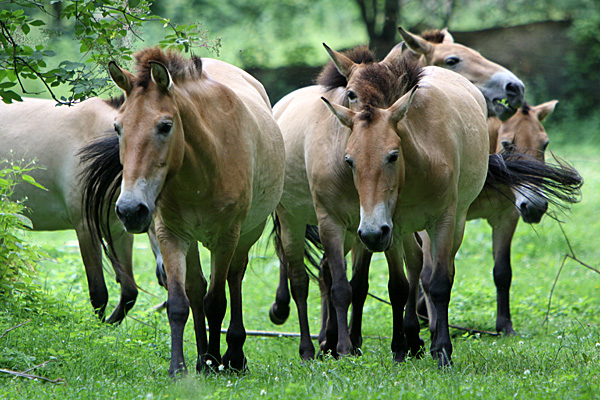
{"x": 17, "y": 258}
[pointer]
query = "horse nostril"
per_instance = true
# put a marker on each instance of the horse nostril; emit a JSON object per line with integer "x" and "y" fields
{"x": 385, "y": 232}
{"x": 515, "y": 92}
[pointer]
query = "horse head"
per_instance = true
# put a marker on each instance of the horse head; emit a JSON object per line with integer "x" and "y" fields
{"x": 503, "y": 91}
{"x": 374, "y": 154}
{"x": 523, "y": 133}
{"x": 150, "y": 139}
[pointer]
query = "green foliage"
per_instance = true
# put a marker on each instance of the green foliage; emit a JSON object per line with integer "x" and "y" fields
{"x": 17, "y": 257}
{"x": 105, "y": 30}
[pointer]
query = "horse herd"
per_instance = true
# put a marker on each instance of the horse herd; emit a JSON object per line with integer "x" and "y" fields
{"x": 388, "y": 156}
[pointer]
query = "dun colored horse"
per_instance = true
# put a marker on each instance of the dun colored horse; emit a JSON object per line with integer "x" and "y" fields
{"x": 201, "y": 155}
{"x": 417, "y": 157}
{"x": 38, "y": 130}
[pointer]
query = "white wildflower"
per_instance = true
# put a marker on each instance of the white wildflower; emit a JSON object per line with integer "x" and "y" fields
{"x": 263, "y": 392}
{"x": 526, "y": 372}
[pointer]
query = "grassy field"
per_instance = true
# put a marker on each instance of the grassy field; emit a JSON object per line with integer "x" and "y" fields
{"x": 556, "y": 359}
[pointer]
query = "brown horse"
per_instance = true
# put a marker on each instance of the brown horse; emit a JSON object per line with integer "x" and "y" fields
{"x": 503, "y": 91}
{"x": 426, "y": 156}
{"x": 494, "y": 80}
{"x": 201, "y": 152}
{"x": 37, "y": 129}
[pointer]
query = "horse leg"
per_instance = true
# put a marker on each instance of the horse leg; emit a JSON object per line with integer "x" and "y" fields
{"x": 234, "y": 358}
{"x": 445, "y": 239}
{"x": 503, "y": 229}
{"x": 215, "y": 301}
{"x": 414, "y": 263}
{"x": 280, "y": 309}
{"x": 91, "y": 255}
{"x": 174, "y": 251}
{"x": 195, "y": 289}
{"x": 398, "y": 291}
{"x": 123, "y": 246}
{"x": 361, "y": 260}
{"x": 292, "y": 239}
{"x": 332, "y": 237}
{"x": 329, "y": 330}
{"x": 425, "y": 282}
{"x": 324, "y": 302}
{"x": 161, "y": 274}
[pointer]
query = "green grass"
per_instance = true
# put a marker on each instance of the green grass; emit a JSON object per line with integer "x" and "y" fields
{"x": 558, "y": 359}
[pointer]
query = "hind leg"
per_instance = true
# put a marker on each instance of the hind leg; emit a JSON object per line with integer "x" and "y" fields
{"x": 91, "y": 255}
{"x": 503, "y": 229}
{"x": 413, "y": 256}
{"x": 280, "y": 309}
{"x": 123, "y": 246}
{"x": 195, "y": 289}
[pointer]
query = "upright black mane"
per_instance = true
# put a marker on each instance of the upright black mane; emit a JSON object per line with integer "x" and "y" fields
{"x": 331, "y": 78}
{"x": 116, "y": 102}
{"x": 179, "y": 67}
{"x": 433, "y": 36}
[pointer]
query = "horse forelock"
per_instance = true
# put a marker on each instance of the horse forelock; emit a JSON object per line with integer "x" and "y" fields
{"x": 179, "y": 67}
{"x": 331, "y": 78}
{"x": 433, "y": 36}
{"x": 382, "y": 84}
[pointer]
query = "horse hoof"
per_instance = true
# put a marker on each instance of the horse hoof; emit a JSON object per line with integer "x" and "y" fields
{"x": 279, "y": 313}
{"x": 417, "y": 350}
{"x": 233, "y": 365}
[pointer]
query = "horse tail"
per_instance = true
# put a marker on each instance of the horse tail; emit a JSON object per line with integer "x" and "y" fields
{"x": 101, "y": 178}
{"x": 313, "y": 249}
{"x": 559, "y": 182}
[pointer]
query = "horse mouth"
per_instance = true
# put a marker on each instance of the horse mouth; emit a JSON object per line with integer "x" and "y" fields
{"x": 503, "y": 109}
{"x": 136, "y": 226}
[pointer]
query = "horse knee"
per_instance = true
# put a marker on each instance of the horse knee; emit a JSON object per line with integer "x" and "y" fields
{"x": 439, "y": 290}
{"x": 178, "y": 309}
{"x": 341, "y": 294}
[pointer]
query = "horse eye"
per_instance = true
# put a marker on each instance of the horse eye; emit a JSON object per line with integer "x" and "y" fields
{"x": 349, "y": 161}
{"x": 393, "y": 157}
{"x": 117, "y": 128}
{"x": 164, "y": 127}
{"x": 508, "y": 146}
{"x": 452, "y": 61}
{"x": 351, "y": 96}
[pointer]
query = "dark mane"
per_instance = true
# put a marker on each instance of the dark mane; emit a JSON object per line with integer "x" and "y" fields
{"x": 433, "y": 36}
{"x": 330, "y": 76}
{"x": 116, "y": 102}
{"x": 384, "y": 83}
{"x": 525, "y": 108}
{"x": 180, "y": 68}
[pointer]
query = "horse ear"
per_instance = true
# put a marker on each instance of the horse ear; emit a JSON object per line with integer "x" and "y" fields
{"x": 544, "y": 110}
{"x": 400, "y": 107}
{"x": 120, "y": 77}
{"x": 343, "y": 114}
{"x": 395, "y": 54}
{"x": 448, "y": 38}
{"x": 342, "y": 63}
{"x": 414, "y": 42}
{"x": 161, "y": 76}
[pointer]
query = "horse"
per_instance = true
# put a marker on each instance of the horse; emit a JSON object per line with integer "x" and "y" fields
{"x": 492, "y": 79}
{"x": 202, "y": 157}
{"x": 36, "y": 130}
{"x": 522, "y": 133}
{"x": 503, "y": 91}
{"x": 320, "y": 188}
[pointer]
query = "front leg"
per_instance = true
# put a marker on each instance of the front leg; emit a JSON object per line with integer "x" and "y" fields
{"x": 332, "y": 237}
{"x": 413, "y": 255}
{"x": 503, "y": 229}
{"x": 361, "y": 260}
{"x": 398, "y": 291}
{"x": 174, "y": 250}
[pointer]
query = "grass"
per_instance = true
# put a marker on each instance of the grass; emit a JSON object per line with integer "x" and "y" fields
{"x": 558, "y": 359}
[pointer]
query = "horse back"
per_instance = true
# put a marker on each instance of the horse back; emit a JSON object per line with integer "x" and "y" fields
{"x": 37, "y": 129}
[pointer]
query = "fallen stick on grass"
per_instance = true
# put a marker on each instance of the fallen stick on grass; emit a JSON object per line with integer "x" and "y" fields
{"x": 14, "y": 327}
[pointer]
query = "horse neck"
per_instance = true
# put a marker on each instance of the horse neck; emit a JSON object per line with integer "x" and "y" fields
{"x": 494, "y": 125}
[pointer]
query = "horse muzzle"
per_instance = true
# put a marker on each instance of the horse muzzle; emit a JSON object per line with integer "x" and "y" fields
{"x": 135, "y": 216}
{"x": 533, "y": 211}
{"x": 378, "y": 239}
{"x": 504, "y": 94}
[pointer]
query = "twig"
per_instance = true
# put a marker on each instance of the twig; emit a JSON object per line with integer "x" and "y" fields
{"x": 42, "y": 365}
{"x": 14, "y": 327}
{"x": 32, "y": 377}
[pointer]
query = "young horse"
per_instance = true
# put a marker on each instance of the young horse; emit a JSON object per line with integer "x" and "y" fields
{"x": 203, "y": 156}
{"x": 38, "y": 130}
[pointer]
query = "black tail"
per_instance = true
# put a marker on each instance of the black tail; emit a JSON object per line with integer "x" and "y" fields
{"x": 313, "y": 249}
{"x": 559, "y": 183}
{"x": 101, "y": 178}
